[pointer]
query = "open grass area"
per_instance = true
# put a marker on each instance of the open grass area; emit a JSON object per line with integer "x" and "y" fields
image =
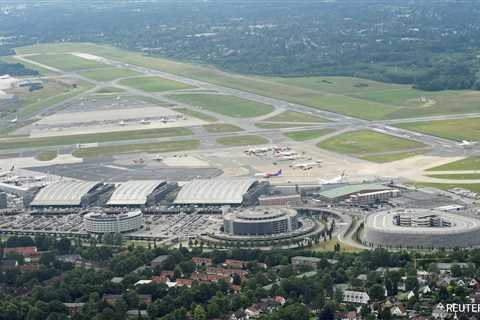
{"x": 351, "y": 96}
{"x": 222, "y": 127}
{"x": 448, "y": 129}
{"x": 305, "y": 135}
{"x": 244, "y": 140}
{"x": 109, "y": 74}
{"x": 42, "y": 71}
{"x": 227, "y": 105}
{"x": 169, "y": 146}
{"x": 470, "y": 163}
{"x": 475, "y": 187}
{"x": 54, "y": 91}
{"x": 17, "y": 143}
{"x": 294, "y": 116}
{"x": 154, "y": 84}
{"x": 46, "y": 155}
{"x": 384, "y": 158}
{"x": 66, "y": 62}
{"x": 363, "y": 142}
{"x": 107, "y": 90}
{"x": 459, "y": 176}
{"x": 196, "y": 114}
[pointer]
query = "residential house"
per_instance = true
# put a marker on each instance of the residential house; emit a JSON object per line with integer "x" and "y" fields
{"x": 27, "y": 252}
{"x": 74, "y": 308}
{"x": 159, "y": 261}
{"x": 349, "y": 315}
{"x": 305, "y": 261}
{"x": 235, "y": 264}
{"x": 360, "y": 297}
{"x": 199, "y": 261}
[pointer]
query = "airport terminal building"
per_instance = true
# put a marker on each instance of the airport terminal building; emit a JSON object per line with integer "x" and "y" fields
{"x": 218, "y": 192}
{"x": 140, "y": 193}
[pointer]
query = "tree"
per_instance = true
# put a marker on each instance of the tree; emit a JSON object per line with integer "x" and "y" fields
{"x": 376, "y": 292}
{"x": 213, "y": 310}
{"x": 327, "y": 313}
{"x": 199, "y": 313}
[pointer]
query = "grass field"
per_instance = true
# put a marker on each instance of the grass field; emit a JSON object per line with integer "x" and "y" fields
{"x": 107, "y": 90}
{"x": 54, "y": 91}
{"x": 196, "y": 114}
{"x": 448, "y": 129}
{"x": 42, "y": 71}
{"x": 351, "y": 96}
{"x": 244, "y": 140}
{"x": 470, "y": 163}
{"x": 384, "y": 158}
{"x": 154, "y": 84}
{"x": 66, "y": 62}
{"x": 446, "y": 186}
{"x": 226, "y": 105}
{"x": 305, "y": 135}
{"x": 222, "y": 127}
{"x": 294, "y": 116}
{"x": 108, "y": 74}
{"x": 170, "y": 146}
{"x": 46, "y": 155}
{"x": 459, "y": 176}
{"x": 17, "y": 143}
{"x": 363, "y": 142}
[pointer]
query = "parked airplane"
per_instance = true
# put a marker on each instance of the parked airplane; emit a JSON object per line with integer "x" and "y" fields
{"x": 334, "y": 180}
{"x": 122, "y": 123}
{"x": 286, "y": 154}
{"x": 466, "y": 143}
{"x": 15, "y": 120}
{"x": 158, "y": 158}
{"x": 307, "y": 165}
{"x": 143, "y": 121}
{"x": 269, "y": 174}
{"x": 7, "y": 172}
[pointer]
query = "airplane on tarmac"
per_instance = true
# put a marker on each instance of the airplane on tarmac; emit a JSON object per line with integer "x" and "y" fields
{"x": 15, "y": 120}
{"x": 143, "y": 121}
{"x": 122, "y": 123}
{"x": 333, "y": 180}
{"x": 466, "y": 143}
{"x": 307, "y": 165}
{"x": 269, "y": 174}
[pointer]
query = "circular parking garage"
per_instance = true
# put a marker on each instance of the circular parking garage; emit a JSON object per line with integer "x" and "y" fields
{"x": 420, "y": 229}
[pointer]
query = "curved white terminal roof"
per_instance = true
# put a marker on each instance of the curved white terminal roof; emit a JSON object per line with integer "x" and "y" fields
{"x": 214, "y": 191}
{"x": 63, "y": 193}
{"x": 133, "y": 192}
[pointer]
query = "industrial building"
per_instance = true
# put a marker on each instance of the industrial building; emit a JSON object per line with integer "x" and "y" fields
{"x": 260, "y": 221}
{"x": 421, "y": 228}
{"x": 99, "y": 223}
{"x": 359, "y": 194}
{"x": 71, "y": 194}
{"x": 221, "y": 192}
{"x": 280, "y": 200}
{"x": 139, "y": 193}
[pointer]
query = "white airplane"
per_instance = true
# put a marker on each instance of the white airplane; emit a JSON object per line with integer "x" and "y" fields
{"x": 269, "y": 174}
{"x": 143, "y": 121}
{"x": 158, "y": 158}
{"x": 15, "y": 120}
{"x": 166, "y": 120}
{"x": 286, "y": 154}
{"x": 257, "y": 150}
{"x": 288, "y": 158}
{"x": 334, "y": 180}
{"x": 8, "y": 172}
{"x": 466, "y": 143}
{"x": 122, "y": 123}
{"x": 307, "y": 165}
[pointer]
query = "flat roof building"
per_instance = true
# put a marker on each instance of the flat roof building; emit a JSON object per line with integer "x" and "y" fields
{"x": 100, "y": 223}
{"x": 359, "y": 194}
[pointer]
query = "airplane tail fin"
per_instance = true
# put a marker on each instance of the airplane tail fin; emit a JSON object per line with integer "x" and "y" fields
{"x": 279, "y": 172}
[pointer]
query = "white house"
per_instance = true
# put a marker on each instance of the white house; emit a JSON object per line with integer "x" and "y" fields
{"x": 356, "y": 297}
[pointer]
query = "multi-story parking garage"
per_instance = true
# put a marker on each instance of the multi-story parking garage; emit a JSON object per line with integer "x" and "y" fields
{"x": 421, "y": 228}
{"x": 260, "y": 221}
{"x": 99, "y": 223}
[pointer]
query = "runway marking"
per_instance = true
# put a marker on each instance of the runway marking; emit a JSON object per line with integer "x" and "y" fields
{"x": 116, "y": 167}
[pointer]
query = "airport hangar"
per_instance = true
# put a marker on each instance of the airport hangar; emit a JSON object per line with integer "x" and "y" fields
{"x": 358, "y": 194}
{"x": 76, "y": 195}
